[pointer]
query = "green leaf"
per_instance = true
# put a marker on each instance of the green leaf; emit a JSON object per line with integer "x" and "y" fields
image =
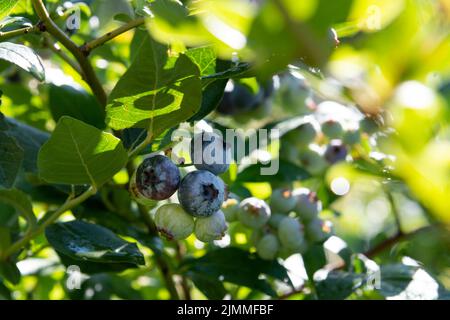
{"x": 287, "y": 172}
{"x": 314, "y": 259}
{"x": 212, "y": 288}
{"x": 86, "y": 242}
{"x": 10, "y": 160}
{"x": 111, "y": 285}
{"x": 237, "y": 266}
{"x": 6, "y": 6}
{"x": 157, "y": 92}
{"x": 10, "y": 272}
{"x": 78, "y": 153}
{"x": 30, "y": 140}
{"x": 409, "y": 282}
{"x": 20, "y": 201}
{"x": 24, "y": 58}
{"x": 77, "y": 103}
{"x": 205, "y": 58}
{"x": 337, "y": 285}
{"x": 13, "y": 23}
{"x": 211, "y": 97}
{"x": 5, "y": 294}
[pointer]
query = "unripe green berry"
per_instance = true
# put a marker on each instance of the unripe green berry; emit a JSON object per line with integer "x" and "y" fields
{"x": 313, "y": 161}
{"x": 253, "y": 213}
{"x": 173, "y": 222}
{"x": 282, "y": 200}
{"x": 315, "y": 230}
{"x": 211, "y": 228}
{"x": 275, "y": 219}
{"x": 230, "y": 209}
{"x": 332, "y": 129}
{"x": 267, "y": 247}
{"x": 302, "y": 136}
{"x": 352, "y": 137}
{"x": 291, "y": 234}
{"x": 308, "y": 205}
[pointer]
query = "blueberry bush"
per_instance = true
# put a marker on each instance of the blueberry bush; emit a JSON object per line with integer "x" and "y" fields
{"x": 118, "y": 179}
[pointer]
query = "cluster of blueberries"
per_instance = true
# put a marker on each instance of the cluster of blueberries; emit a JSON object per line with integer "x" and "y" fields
{"x": 316, "y": 146}
{"x": 200, "y": 193}
{"x": 285, "y": 226}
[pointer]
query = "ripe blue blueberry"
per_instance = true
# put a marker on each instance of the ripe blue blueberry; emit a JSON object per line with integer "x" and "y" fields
{"x": 308, "y": 205}
{"x": 282, "y": 200}
{"x": 336, "y": 151}
{"x": 211, "y": 228}
{"x": 157, "y": 178}
{"x": 268, "y": 246}
{"x": 253, "y": 213}
{"x": 173, "y": 222}
{"x": 201, "y": 193}
{"x": 210, "y": 152}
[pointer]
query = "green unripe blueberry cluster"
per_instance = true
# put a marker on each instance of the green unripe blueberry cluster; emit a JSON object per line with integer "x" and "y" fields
{"x": 287, "y": 224}
{"x": 201, "y": 193}
{"x": 316, "y": 146}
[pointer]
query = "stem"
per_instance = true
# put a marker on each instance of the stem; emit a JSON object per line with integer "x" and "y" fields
{"x": 180, "y": 251}
{"x": 133, "y": 153}
{"x": 57, "y": 49}
{"x": 14, "y": 33}
{"x": 388, "y": 243}
{"x": 160, "y": 261}
{"x": 69, "y": 204}
{"x": 88, "y": 72}
{"x": 88, "y": 47}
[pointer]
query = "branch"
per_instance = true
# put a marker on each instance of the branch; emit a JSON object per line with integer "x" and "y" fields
{"x": 88, "y": 47}
{"x": 88, "y": 72}
{"x": 14, "y": 33}
{"x": 69, "y": 204}
{"x": 398, "y": 237}
{"x": 57, "y": 49}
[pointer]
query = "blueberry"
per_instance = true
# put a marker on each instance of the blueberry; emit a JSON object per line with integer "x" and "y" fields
{"x": 308, "y": 205}
{"x": 201, "y": 193}
{"x": 157, "y": 178}
{"x": 303, "y": 135}
{"x": 230, "y": 208}
{"x": 315, "y": 230}
{"x": 210, "y": 152}
{"x": 173, "y": 222}
{"x": 335, "y": 152}
{"x": 291, "y": 234}
{"x": 352, "y": 137}
{"x": 253, "y": 213}
{"x": 275, "y": 219}
{"x": 332, "y": 129}
{"x": 211, "y": 228}
{"x": 282, "y": 200}
{"x": 267, "y": 247}
{"x": 313, "y": 161}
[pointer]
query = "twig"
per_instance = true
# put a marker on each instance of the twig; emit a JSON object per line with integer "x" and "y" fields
{"x": 53, "y": 46}
{"x": 388, "y": 243}
{"x": 88, "y": 73}
{"x": 160, "y": 261}
{"x": 88, "y": 47}
{"x": 18, "y": 32}
{"x": 184, "y": 283}
{"x": 69, "y": 204}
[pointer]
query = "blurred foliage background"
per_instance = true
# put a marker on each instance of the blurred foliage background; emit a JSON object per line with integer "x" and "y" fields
{"x": 379, "y": 67}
